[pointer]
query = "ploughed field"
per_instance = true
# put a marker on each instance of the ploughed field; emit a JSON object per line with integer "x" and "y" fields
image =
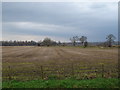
{"x": 33, "y": 62}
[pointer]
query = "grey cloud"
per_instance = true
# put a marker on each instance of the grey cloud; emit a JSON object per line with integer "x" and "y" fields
{"x": 86, "y": 18}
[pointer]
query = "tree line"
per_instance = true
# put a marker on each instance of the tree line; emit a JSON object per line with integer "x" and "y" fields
{"x": 48, "y": 42}
{"x": 45, "y": 42}
{"x": 18, "y": 43}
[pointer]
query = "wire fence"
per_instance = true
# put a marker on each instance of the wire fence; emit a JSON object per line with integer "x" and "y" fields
{"x": 60, "y": 72}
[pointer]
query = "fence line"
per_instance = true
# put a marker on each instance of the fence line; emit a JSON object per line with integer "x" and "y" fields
{"x": 63, "y": 71}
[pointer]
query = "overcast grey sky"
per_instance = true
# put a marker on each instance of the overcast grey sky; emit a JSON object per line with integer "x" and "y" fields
{"x": 59, "y": 21}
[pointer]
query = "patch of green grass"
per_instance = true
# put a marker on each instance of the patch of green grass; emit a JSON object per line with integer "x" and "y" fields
{"x": 66, "y": 83}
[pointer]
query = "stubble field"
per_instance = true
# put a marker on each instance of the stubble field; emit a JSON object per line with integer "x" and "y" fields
{"x": 32, "y": 62}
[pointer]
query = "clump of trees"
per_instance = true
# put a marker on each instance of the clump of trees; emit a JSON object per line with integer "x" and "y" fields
{"x": 74, "y": 40}
{"x": 48, "y": 42}
{"x": 82, "y": 39}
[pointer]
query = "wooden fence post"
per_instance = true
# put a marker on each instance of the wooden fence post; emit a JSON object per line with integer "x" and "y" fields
{"x": 102, "y": 70}
{"x": 42, "y": 74}
{"x": 9, "y": 74}
{"x": 58, "y": 72}
{"x": 72, "y": 70}
{"x": 63, "y": 72}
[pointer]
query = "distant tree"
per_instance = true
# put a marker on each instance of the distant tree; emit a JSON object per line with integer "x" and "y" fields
{"x": 83, "y": 39}
{"x": 85, "y": 44}
{"x": 74, "y": 40}
{"x": 59, "y": 43}
{"x": 110, "y": 39}
{"x": 47, "y": 42}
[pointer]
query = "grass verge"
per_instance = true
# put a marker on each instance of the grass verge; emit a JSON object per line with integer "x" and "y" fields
{"x": 67, "y": 83}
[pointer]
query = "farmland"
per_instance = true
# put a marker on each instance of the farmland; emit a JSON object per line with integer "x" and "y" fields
{"x": 34, "y": 63}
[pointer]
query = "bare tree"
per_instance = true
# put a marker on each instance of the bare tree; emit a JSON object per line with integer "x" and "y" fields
{"x": 110, "y": 39}
{"x": 83, "y": 39}
{"x": 74, "y": 40}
